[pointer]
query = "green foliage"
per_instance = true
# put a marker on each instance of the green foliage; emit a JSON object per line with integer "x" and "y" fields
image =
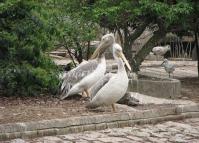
{"x": 76, "y": 29}
{"x": 169, "y": 13}
{"x": 24, "y": 79}
{"x": 26, "y": 33}
{"x": 122, "y": 13}
{"x": 131, "y": 17}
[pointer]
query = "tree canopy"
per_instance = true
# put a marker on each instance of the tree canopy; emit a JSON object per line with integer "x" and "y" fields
{"x": 130, "y": 18}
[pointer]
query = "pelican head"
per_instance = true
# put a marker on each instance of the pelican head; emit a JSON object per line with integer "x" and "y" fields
{"x": 165, "y": 61}
{"x": 117, "y": 53}
{"x": 106, "y": 42}
{"x": 168, "y": 47}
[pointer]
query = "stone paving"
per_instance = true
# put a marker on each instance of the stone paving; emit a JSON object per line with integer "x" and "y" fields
{"x": 186, "y": 131}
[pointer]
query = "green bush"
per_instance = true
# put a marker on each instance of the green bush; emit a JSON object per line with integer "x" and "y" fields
{"x": 24, "y": 79}
{"x": 24, "y": 37}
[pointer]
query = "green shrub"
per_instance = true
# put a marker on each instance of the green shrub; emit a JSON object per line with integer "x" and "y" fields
{"x": 24, "y": 37}
{"x": 24, "y": 79}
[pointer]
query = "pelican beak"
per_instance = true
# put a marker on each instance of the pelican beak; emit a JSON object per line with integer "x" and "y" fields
{"x": 107, "y": 41}
{"x": 97, "y": 51}
{"x": 121, "y": 55}
{"x": 100, "y": 49}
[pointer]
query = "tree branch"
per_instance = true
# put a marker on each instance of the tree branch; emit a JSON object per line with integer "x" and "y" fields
{"x": 146, "y": 49}
{"x": 138, "y": 31}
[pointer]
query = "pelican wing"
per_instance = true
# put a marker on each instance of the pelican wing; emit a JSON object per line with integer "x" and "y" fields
{"x": 77, "y": 74}
{"x": 97, "y": 86}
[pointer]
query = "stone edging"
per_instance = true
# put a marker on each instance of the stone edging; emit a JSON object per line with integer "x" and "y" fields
{"x": 95, "y": 122}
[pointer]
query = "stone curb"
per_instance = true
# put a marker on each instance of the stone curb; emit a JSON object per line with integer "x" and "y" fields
{"x": 95, "y": 122}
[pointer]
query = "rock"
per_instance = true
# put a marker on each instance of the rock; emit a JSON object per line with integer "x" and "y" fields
{"x": 117, "y": 134}
{"x": 146, "y": 130}
{"x": 127, "y": 99}
{"x": 52, "y": 139}
{"x": 154, "y": 140}
{"x": 163, "y": 140}
{"x": 17, "y": 141}
{"x": 141, "y": 134}
{"x": 159, "y": 135}
{"x": 160, "y": 128}
{"x": 134, "y": 138}
{"x": 92, "y": 136}
{"x": 112, "y": 139}
{"x": 178, "y": 126}
{"x": 173, "y": 130}
{"x": 96, "y": 142}
{"x": 67, "y": 137}
{"x": 80, "y": 141}
{"x": 177, "y": 140}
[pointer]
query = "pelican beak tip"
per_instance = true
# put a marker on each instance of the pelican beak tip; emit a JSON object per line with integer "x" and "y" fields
{"x": 125, "y": 61}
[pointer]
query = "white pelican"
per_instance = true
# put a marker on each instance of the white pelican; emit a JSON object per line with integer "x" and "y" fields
{"x": 111, "y": 87}
{"x": 161, "y": 50}
{"x": 81, "y": 78}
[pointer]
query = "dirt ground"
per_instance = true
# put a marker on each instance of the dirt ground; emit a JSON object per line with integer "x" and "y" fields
{"x": 15, "y": 109}
{"x": 19, "y": 109}
{"x": 22, "y": 109}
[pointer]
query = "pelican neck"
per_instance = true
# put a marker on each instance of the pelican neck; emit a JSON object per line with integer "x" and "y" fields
{"x": 120, "y": 64}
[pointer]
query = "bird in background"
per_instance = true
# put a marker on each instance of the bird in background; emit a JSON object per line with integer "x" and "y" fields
{"x": 111, "y": 87}
{"x": 169, "y": 67}
{"x": 81, "y": 78}
{"x": 161, "y": 50}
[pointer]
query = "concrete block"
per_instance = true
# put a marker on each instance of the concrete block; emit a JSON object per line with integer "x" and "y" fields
{"x": 156, "y": 88}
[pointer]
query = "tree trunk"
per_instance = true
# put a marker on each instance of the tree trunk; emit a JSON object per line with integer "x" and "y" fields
{"x": 130, "y": 38}
{"x": 128, "y": 50}
{"x": 197, "y": 49}
{"x": 88, "y": 50}
{"x": 196, "y": 21}
{"x": 146, "y": 49}
{"x": 69, "y": 52}
{"x": 79, "y": 55}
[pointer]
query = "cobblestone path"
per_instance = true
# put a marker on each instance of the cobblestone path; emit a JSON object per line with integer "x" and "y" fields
{"x": 186, "y": 131}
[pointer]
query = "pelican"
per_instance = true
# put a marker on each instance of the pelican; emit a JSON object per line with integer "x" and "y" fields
{"x": 81, "y": 78}
{"x": 111, "y": 87}
{"x": 161, "y": 50}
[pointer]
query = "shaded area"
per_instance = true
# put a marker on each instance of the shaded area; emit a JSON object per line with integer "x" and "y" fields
{"x": 190, "y": 88}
